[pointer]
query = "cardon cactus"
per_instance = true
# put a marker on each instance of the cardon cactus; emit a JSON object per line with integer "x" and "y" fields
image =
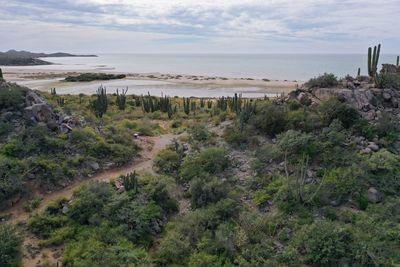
{"x": 373, "y": 59}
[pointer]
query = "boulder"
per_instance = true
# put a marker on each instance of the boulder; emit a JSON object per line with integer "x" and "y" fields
{"x": 39, "y": 113}
{"x": 386, "y": 96}
{"x": 374, "y": 147}
{"x": 374, "y": 196}
{"x": 94, "y": 165}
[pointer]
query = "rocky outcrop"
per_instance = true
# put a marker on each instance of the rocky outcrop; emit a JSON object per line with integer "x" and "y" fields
{"x": 369, "y": 102}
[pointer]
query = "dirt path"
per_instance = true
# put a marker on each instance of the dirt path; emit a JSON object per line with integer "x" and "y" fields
{"x": 151, "y": 146}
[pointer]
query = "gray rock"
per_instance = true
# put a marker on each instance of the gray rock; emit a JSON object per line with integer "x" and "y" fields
{"x": 374, "y": 147}
{"x": 366, "y": 150}
{"x": 94, "y": 165}
{"x": 374, "y": 196}
{"x": 7, "y": 115}
{"x": 386, "y": 96}
{"x": 39, "y": 113}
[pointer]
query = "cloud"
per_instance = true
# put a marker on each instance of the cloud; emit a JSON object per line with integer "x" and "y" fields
{"x": 209, "y": 21}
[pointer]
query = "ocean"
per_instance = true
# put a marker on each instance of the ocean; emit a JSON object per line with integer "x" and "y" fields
{"x": 298, "y": 67}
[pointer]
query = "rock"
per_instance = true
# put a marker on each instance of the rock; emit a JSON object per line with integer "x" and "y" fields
{"x": 374, "y": 196}
{"x": 374, "y": 147}
{"x": 366, "y": 150}
{"x": 39, "y": 113}
{"x": 52, "y": 125}
{"x": 94, "y": 165}
{"x": 386, "y": 96}
{"x": 65, "y": 128}
{"x": 7, "y": 116}
{"x": 32, "y": 98}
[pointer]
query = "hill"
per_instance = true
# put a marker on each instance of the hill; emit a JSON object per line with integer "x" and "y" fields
{"x": 25, "y": 58}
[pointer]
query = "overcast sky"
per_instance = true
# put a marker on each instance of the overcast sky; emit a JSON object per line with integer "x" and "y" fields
{"x": 202, "y": 26}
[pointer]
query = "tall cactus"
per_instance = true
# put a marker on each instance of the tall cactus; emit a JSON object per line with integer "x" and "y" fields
{"x": 397, "y": 62}
{"x": 121, "y": 99}
{"x": 373, "y": 60}
{"x": 358, "y": 72}
{"x": 130, "y": 181}
{"x": 100, "y": 104}
{"x": 1, "y": 75}
{"x": 186, "y": 105}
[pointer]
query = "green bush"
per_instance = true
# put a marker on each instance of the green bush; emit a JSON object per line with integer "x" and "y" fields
{"x": 88, "y": 77}
{"x": 12, "y": 98}
{"x": 270, "y": 119}
{"x": 167, "y": 161}
{"x": 10, "y": 246}
{"x": 332, "y": 109}
{"x": 32, "y": 204}
{"x": 210, "y": 161}
{"x": 327, "y": 80}
{"x": 199, "y": 132}
{"x": 324, "y": 243}
{"x": 10, "y": 178}
{"x": 206, "y": 191}
{"x": 295, "y": 143}
{"x": 234, "y": 137}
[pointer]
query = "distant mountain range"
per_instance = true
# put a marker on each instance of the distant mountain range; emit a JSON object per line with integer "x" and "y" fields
{"x": 26, "y": 58}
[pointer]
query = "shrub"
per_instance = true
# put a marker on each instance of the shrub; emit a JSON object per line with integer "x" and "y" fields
{"x": 87, "y": 77}
{"x": 324, "y": 243}
{"x": 32, "y": 204}
{"x": 203, "y": 192}
{"x": 10, "y": 178}
{"x": 12, "y": 98}
{"x": 167, "y": 161}
{"x": 270, "y": 119}
{"x": 234, "y": 137}
{"x": 294, "y": 142}
{"x": 199, "y": 133}
{"x": 327, "y": 80}
{"x": 10, "y": 246}
{"x": 332, "y": 109}
{"x": 210, "y": 161}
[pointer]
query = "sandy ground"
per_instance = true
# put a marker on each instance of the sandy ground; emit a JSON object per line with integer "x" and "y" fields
{"x": 44, "y": 79}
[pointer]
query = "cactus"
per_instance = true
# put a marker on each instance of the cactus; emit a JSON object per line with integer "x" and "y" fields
{"x": 373, "y": 60}
{"x": 121, "y": 99}
{"x": 186, "y": 105}
{"x": 209, "y": 104}
{"x": 130, "y": 181}
{"x": 222, "y": 103}
{"x": 61, "y": 101}
{"x": 202, "y": 102}
{"x": 397, "y": 62}
{"x": 81, "y": 98}
{"x": 53, "y": 91}
{"x": 1, "y": 75}
{"x": 100, "y": 104}
{"x": 359, "y": 72}
{"x": 193, "y": 107}
{"x": 246, "y": 112}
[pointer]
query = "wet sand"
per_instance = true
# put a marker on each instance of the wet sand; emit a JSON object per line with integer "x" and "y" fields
{"x": 155, "y": 83}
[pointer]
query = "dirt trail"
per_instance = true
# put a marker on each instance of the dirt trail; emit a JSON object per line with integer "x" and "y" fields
{"x": 151, "y": 146}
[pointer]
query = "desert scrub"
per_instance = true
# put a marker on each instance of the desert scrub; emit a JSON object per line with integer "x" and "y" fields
{"x": 210, "y": 161}
{"x": 167, "y": 161}
{"x": 33, "y": 204}
{"x": 326, "y": 80}
{"x": 10, "y": 245}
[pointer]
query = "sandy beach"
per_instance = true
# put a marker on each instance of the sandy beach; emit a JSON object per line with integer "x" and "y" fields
{"x": 172, "y": 84}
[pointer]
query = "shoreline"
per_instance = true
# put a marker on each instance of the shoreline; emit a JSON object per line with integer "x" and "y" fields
{"x": 44, "y": 79}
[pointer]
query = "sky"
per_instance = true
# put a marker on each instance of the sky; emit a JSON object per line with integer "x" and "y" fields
{"x": 202, "y": 26}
